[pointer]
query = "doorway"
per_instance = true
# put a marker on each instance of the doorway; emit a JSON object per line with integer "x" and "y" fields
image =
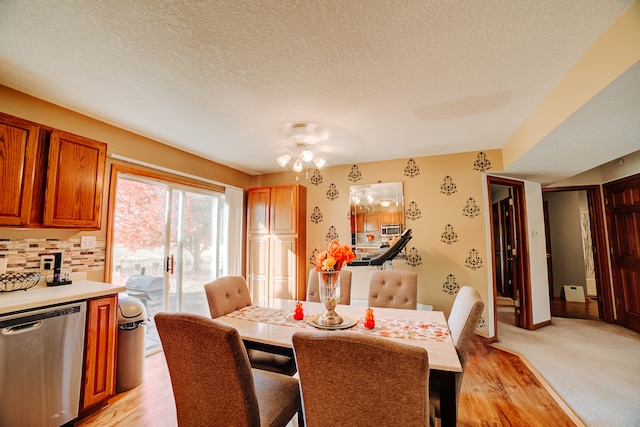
{"x": 577, "y": 253}
{"x": 167, "y": 242}
{"x": 511, "y": 288}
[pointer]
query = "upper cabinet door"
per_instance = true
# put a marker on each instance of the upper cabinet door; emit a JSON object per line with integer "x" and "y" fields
{"x": 284, "y": 209}
{"x": 75, "y": 179}
{"x": 18, "y": 145}
{"x": 258, "y": 200}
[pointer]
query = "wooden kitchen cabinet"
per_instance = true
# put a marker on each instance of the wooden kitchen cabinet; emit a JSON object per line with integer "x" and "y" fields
{"x": 100, "y": 353}
{"x": 372, "y": 223}
{"x": 276, "y": 242}
{"x": 18, "y": 145}
{"x": 75, "y": 177}
{"x": 49, "y": 178}
{"x": 391, "y": 217}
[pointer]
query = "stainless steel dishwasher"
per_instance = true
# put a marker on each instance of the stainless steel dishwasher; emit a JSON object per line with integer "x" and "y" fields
{"x": 41, "y": 353}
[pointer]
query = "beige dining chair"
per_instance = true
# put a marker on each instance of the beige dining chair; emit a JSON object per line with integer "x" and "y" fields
{"x": 463, "y": 320}
{"x": 212, "y": 380}
{"x": 313, "y": 293}
{"x": 352, "y": 379}
{"x": 230, "y": 293}
{"x": 393, "y": 289}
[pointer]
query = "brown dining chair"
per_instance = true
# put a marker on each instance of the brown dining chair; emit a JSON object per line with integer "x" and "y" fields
{"x": 230, "y": 293}
{"x": 313, "y": 292}
{"x": 463, "y": 320}
{"x": 393, "y": 289}
{"x": 212, "y": 381}
{"x": 352, "y": 379}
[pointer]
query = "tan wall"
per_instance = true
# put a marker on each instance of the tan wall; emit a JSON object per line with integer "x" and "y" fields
{"x": 120, "y": 142}
{"x": 431, "y": 258}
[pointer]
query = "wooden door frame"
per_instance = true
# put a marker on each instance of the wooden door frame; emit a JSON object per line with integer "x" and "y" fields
{"x": 600, "y": 251}
{"x": 520, "y": 220}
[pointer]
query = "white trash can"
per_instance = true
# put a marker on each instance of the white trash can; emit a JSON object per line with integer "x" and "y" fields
{"x": 132, "y": 318}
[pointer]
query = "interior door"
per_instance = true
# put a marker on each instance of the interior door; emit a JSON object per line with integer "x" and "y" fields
{"x": 623, "y": 218}
{"x": 509, "y": 218}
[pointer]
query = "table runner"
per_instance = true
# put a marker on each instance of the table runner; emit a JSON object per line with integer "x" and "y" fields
{"x": 408, "y": 329}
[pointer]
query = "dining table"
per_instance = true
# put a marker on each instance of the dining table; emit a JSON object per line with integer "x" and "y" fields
{"x": 269, "y": 326}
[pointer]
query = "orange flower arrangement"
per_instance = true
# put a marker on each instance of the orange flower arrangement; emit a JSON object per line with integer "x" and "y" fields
{"x": 335, "y": 257}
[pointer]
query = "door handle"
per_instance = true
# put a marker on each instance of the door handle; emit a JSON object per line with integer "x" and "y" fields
{"x": 169, "y": 264}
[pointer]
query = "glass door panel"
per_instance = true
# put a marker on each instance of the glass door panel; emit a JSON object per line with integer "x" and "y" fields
{"x": 168, "y": 241}
{"x": 194, "y": 245}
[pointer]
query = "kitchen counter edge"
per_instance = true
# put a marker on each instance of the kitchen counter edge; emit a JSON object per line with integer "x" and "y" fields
{"x": 43, "y": 296}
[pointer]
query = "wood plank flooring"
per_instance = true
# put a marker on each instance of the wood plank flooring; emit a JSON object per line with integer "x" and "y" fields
{"x": 498, "y": 389}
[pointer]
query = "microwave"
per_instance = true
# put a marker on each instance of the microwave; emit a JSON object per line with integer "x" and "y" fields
{"x": 390, "y": 230}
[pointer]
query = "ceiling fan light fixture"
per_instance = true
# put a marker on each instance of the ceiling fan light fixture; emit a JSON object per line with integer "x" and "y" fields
{"x": 307, "y": 155}
{"x": 319, "y": 162}
{"x": 297, "y": 166}
{"x": 283, "y": 160}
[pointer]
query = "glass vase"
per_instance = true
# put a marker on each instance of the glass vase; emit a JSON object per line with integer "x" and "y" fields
{"x": 329, "y": 289}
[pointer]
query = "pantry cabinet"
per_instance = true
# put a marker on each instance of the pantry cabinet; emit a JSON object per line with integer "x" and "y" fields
{"x": 276, "y": 242}
{"x": 100, "y": 353}
{"x": 50, "y": 178}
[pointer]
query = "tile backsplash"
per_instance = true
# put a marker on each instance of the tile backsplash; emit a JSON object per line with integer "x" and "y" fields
{"x": 23, "y": 255}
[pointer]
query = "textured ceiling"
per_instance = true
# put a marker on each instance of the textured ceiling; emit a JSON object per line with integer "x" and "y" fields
{"x": 386, "y": 79}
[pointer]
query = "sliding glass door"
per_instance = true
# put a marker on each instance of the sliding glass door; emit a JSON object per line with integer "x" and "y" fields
{"x": 168, "y": 241}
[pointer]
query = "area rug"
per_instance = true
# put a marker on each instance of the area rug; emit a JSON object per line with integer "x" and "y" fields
{"x": 593, "y": 366}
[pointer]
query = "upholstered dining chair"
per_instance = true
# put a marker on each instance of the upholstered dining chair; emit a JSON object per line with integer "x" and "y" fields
{"x": 212, "y": 380}
{"x": 313, "y": 293}
{"x": 393, "y": 289}
{"x": 350, "y": 379}
{"x": 463, "y": 320}
{"x": 230, "y": 293}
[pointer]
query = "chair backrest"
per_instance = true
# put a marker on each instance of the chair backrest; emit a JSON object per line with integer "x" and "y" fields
{"x": 210, "y": 372}
{"x": 350, "y": 379}
{"x": 393, "y": 289}
{"x": 227, "y": 294}
{"x": 463, "y": 320}
{"x": 313, "y": 293}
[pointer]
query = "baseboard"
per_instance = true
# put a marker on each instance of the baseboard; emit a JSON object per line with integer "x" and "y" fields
{"x": 540, "y": 325}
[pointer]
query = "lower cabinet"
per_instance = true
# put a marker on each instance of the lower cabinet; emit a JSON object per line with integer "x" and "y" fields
{"x": 100, "y": 353}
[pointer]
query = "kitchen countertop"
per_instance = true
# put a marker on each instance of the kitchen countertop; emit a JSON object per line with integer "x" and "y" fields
{"x": 49, "y": 295}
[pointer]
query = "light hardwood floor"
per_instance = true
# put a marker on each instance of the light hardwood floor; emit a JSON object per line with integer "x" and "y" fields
{"x": 498, "y": 390}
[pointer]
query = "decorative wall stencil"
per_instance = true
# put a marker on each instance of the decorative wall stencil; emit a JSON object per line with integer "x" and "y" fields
{"x": 412, "y": 169}
{"x": 448, "y": 187}
{"x": 332, "y": 192}
{"x": 481, "y": 323}
{"x": 450, "y": 285}
{"x": 413, "y": 212}
{"x": 471, "y": 208}
{"x": 332, "y": 234}
{"x": 314, "y": 255}
{"x": 316, "y": 215}
{"x": 449, "y": 236}
{"x": 413, "y": 258}
{"x": 354, "y": 175}
{"x": 316, "y": 178}
{"x": 473, "y": 261}
{"x": 482, "y": 163}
